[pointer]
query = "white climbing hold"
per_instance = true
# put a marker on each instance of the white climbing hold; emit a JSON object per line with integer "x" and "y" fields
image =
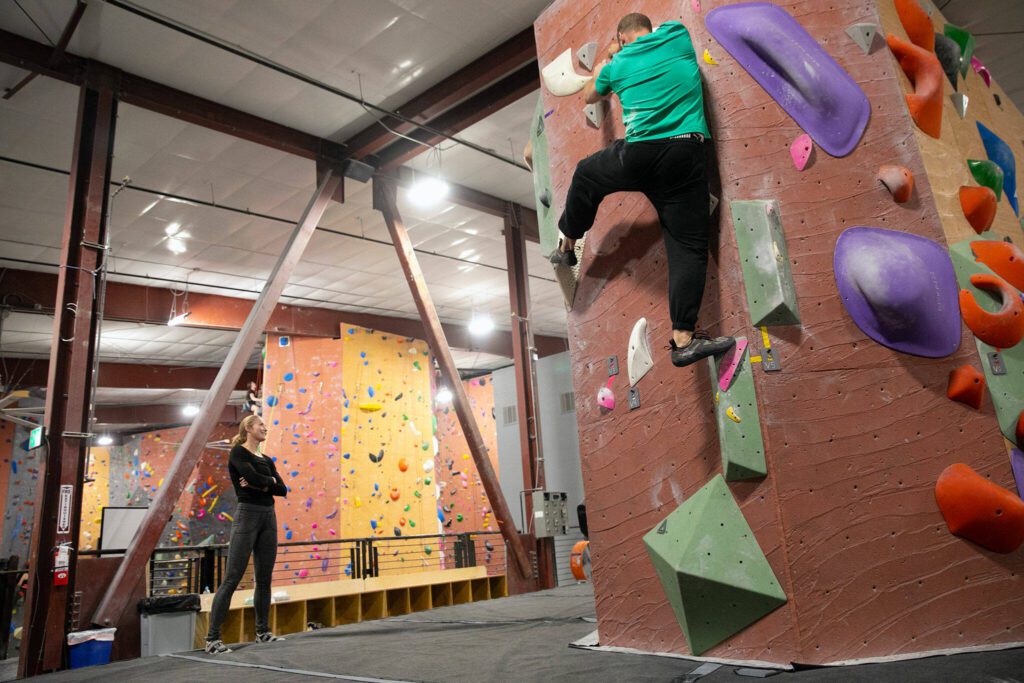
{"x": 595, "y": 113}
{"x": 864, "y": 35}
{"x": 639, "y": 359}
{"x": 712, "y": 205}
{"x": 959, "y": 103}
{"x": 585, "y": 56}
{"x": 560, "y": 78}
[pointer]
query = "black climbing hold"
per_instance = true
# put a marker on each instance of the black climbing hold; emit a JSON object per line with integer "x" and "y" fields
{"x": 489, "y": 546}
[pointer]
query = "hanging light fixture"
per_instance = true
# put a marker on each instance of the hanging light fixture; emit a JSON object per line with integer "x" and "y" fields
{"x": 444, "y": 395}
{"x": 178, "y": 316}
{"x": 429, "y": 189}
{"x": 481, "y": 324}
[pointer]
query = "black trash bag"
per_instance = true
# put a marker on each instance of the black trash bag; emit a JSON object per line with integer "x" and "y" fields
{"x": 187, "y": 602}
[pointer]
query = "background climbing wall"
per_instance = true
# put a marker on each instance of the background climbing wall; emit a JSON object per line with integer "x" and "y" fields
{"x": 95, "y": 496}
{"x": 855, "y": 434}
{"x": 463, "y": 501}
{"x": 20, "y": 489}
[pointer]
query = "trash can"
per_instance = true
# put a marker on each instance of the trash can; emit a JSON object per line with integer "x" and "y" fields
{"x": 89, "y": 648}
{"x": 168, "y": 623}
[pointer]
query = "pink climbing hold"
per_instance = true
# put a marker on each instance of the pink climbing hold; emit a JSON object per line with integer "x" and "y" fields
{"x": 605, "y": 396}
{"x": 729, "y": 363}
{"x": 695, "y": 4}
{"x": 980, "y": 69}
{"x": 801, "y": 150}
{"x": 303, "y": 573}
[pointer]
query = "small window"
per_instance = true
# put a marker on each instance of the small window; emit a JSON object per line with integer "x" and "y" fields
{"x": 568, "y": 401}
{"x": 511, "y": 414}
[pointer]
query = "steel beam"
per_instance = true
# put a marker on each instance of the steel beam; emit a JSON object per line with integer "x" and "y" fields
{"x": 33, "y": 372}
{"x": 524, "y": 356}
{"x": 385, "y": 201}
{"x": 515, "y": 52}
{"x": 494, "y": 98}
{"x": 58, "y": 49}
{"x": 58, "y": 514}
{"x": 142, "y": 304}
{"x": 115, "y": 600}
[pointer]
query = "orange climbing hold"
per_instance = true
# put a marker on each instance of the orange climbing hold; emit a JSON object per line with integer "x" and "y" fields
{"x": 403, "y": 465}
{"x": 979, "y": 510}
{"x": 966, "y": 385}
{"x": 916, "y": 23}
{"x": 1004, "y": 259}
{"x": 1002, "y": 329}
{"x": 979, "y": 205}
{"x": 898, "y": 180}
{"x": 925, "y": 73}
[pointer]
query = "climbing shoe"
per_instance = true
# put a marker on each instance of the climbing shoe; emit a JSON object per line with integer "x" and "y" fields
{"x": 216, "y": 647}
{"x": 564, "y": 258}
{"x": 701, "y": 346}
{"x": 267, "y": 637}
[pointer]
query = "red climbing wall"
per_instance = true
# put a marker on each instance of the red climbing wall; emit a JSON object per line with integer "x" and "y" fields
{"x": 855, "y": 433}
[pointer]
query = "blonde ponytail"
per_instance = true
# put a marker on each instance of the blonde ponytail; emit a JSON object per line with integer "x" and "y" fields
{"x": 243, "y": 430}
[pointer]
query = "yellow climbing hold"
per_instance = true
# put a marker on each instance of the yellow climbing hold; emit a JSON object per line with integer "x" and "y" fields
{"x": 716, "y": 397}
{"x": 370, "y": 406}
{"x": 708, "y": 58}
{"x": 731, "y": 414}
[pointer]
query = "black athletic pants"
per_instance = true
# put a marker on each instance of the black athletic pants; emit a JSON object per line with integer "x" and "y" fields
{"x": 254, "y": 532}
{"x": 671, "y": 174}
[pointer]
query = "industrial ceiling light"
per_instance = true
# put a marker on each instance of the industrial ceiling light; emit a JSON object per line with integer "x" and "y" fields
{"x": 177, "y": 245}
{"x": 191, "y": 410}
{"x": 178, "y": 319}
{"x": 428, "y": 191}
{"x": 444, "y": 395}
{"x": 177, "y": 316}
{"x": 104, "y": 440}
{"x": 480, "y": 325}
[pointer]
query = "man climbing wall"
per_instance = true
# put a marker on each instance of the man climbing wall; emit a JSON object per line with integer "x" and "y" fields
{"x": 655, "y": 75}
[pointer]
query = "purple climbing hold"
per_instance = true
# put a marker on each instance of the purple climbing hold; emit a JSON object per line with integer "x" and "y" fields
{"x": 1017, "y": 465}
{"x": 794, "y": 69}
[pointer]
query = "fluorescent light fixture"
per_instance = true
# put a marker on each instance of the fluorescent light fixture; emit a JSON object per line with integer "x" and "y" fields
{"x": 428, "y": 191}
{"x": 176, "y": 320}
{"x": 104, "y": 440}
{"x": 172, "y": 228}
{"x": 444, "y": 395}
{"x": 177, "y": 245}
{"x": 481, "y": 325}
{"x": 191, "y": 410}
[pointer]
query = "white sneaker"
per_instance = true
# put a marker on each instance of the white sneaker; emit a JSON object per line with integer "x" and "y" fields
{"x": 267, "y": 637}
{"x": 216, "y": 647}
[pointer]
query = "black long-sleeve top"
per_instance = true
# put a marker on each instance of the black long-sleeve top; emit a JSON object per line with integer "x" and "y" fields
{"x": 259, "y": 473}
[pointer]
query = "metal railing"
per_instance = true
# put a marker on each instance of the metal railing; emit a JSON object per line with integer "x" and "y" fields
{"x": 199, "y": 569}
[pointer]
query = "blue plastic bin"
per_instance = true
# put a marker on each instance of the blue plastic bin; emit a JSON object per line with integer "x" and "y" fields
{"x": 89, "y": 648}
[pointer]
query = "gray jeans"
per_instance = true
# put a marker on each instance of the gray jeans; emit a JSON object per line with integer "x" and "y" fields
{"x": 254, "y": 532}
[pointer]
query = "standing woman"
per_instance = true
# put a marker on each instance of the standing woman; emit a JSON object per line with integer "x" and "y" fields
{"x": 254, "y": 531}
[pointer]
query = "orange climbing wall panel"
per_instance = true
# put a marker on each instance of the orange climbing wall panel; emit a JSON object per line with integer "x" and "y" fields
{"x": 855, "y": 433}
{"x": 462, "y": 497}
{"x": 95, "y": 497}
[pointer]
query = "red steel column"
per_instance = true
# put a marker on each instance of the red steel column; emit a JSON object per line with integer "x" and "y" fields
{"x": 115, "y": 600}
{"x": 384, "y": 201}
{"x": 69, "y": 382}
{"x": 523, "y": 355}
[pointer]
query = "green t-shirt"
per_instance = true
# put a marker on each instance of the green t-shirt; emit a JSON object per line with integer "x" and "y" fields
{"x": 658, "y": 83}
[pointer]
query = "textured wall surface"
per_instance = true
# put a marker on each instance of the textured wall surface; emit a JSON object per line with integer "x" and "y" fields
{"x": 855, "y": 433}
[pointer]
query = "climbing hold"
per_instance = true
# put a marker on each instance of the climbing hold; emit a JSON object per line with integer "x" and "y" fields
{"x": 898, "y": 180}
{"x": 395, "y": 495}
{"x": 605, "y": 396}
{"x": 739, "y": 441}
{"x": 999, "y": 152}
{"x": 800, "y": 151}
{"x": 771, "y": 295}
{"x": 713, "y": 572}
{"x": 458, "y": 518}
{"x": 560, "y": 78}
{"x": 980, "y": 69}
{"x": 925, "y": 73}
{"x": 966, "y": 42}
{"x": 900, "y": 290}
{"x": 370, "y": 406}
{"x": 979, "y": 206}
{"x": 731, "y": 414}
{"x": 403, "y": 465}
{"x": 695, "y": 5}
{"x": 966, "y": 385}
{"x": 586, "y": 54}
{"x": 428, "y": 465}
{"x": 489, "y": 546}
{"x": 595, "y": 113}
{"x": 1002, "y": 329}
{"x": 1005, "y": 259}
{"x": 999, "y": 102}
{"x": 639, "y": 359}
{"x": 864, "y": 35}
{"x": 959, "y": 103}
{"x": 708, "y": 59}
{"x": 579, "y": 561}
{"x": 427, "y": 549}
{"x": 712, "y": 204}
{"x": 794, "y": 69}
{"x": 1017, "y": 465}
{"x": 377, "y": 457}
{"x": 730, "y": 361}
{"x": 987, "y": 173}
{"x": 916, "y": 23}
{"x": 979, "y": 510}
{"x": 948, "y": 54}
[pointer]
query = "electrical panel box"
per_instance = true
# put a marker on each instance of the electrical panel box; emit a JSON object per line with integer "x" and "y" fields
{"x": 550, "y": 514}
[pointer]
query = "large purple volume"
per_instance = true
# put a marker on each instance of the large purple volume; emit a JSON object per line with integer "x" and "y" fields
{"x": 793, "y": 68}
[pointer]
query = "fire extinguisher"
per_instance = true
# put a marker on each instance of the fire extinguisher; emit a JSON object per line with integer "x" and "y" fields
{"x": 61, "y": 564}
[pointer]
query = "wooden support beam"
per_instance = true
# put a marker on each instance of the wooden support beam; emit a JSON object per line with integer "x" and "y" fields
{"x": 58, "y": 49}
{"x": 32, "y": 372}
{"x": 115, "y": 600}
{"x": 385, "y": 201}
{"x": 513, "y": 53}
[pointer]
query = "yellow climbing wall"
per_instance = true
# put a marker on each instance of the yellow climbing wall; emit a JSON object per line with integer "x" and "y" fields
{"x": 95, "y": 497}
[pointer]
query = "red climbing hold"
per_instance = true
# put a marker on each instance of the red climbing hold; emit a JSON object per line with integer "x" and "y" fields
{"x": 916, "y": 23}
{"x": 966, "y": 385}
{"x": 979, "y": 510}
{"x": 898, "y": 180}
{"x": 1004, "y": 259}
{"x": 1002, "y": 329}
{"x": 1019, "y": 432}
{"x": 979, "y": 205}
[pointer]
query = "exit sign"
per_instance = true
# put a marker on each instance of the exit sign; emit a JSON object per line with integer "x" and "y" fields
{"x": 35, "y": 438}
